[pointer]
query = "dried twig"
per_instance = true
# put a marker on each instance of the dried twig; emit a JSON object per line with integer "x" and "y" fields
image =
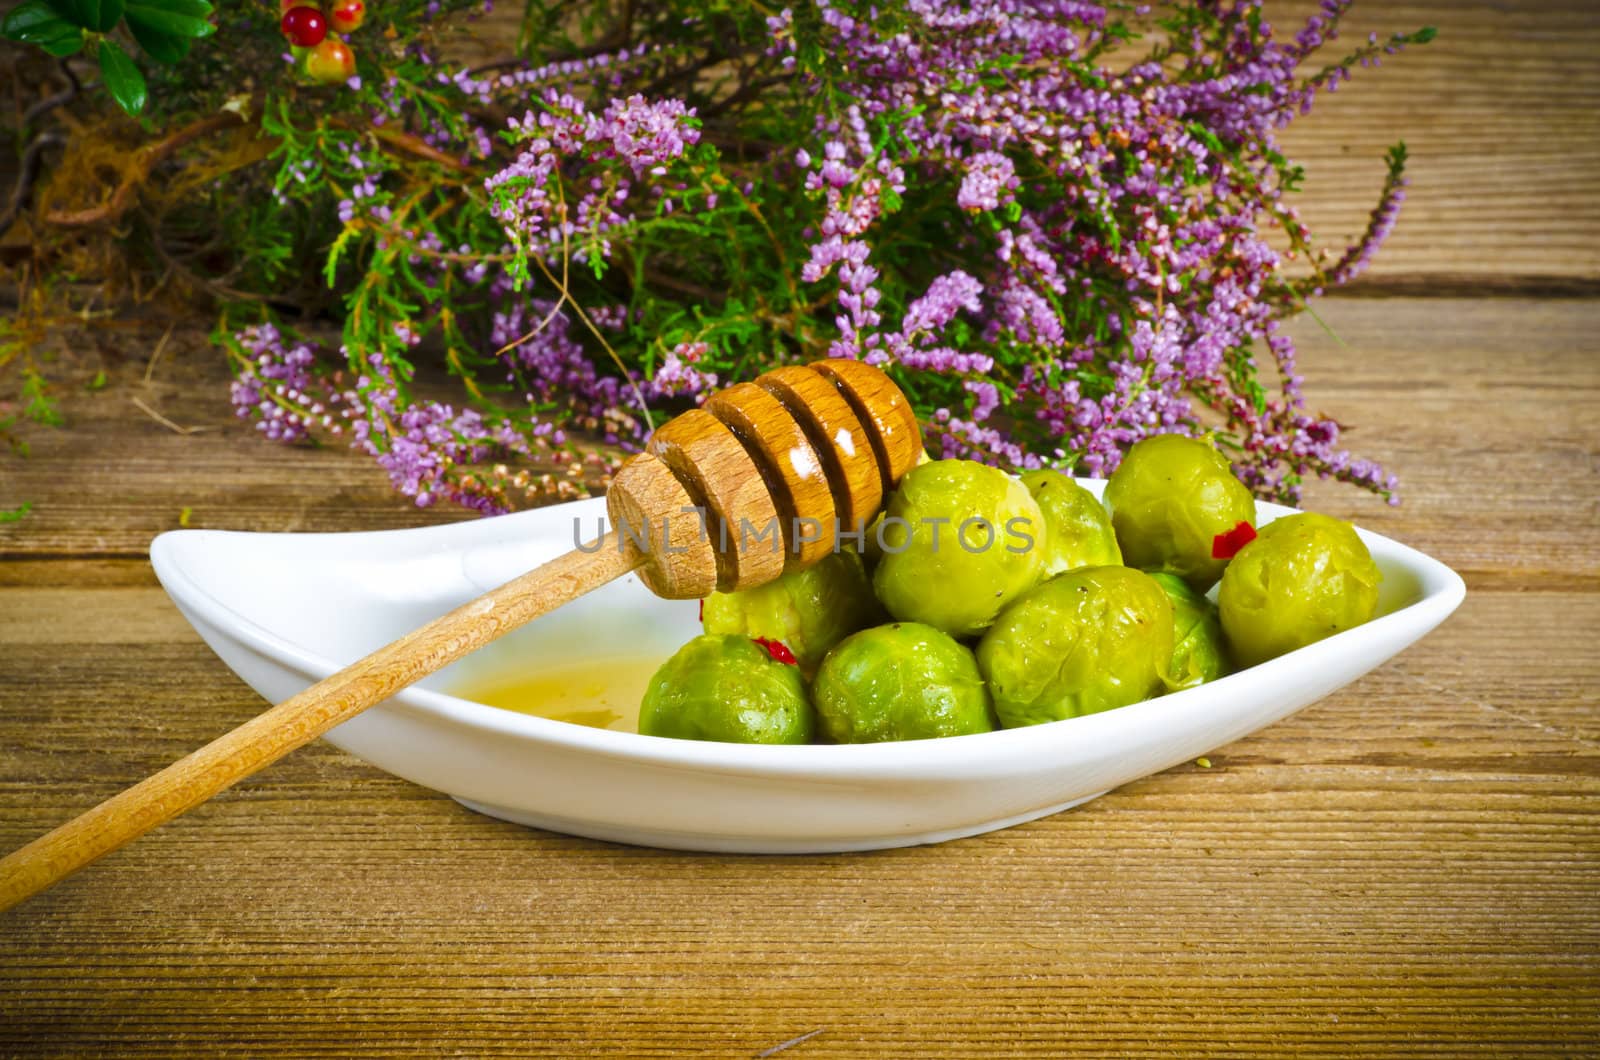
{"x": 495, "y": 65}
{"x": 566, "y": 295}
{"x": 144, "y": 161}
{"x": 415, "y": 145}
{"x": 49, "y": 103}
{"x": 161, "y": 347}
{"x": 781, "y": 1046}
{"x": 29, "y": 173}
{"x": 175, "y": 428}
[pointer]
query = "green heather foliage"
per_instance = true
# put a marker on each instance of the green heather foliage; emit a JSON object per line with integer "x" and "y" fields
{"x": 1045, "y": 220}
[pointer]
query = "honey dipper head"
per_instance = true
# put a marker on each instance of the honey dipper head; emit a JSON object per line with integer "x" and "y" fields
{"x": 779, "y": 467}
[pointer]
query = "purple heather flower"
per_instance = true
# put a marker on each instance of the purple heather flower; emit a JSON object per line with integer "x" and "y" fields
{"x": 989, "y": 175}
{"x": 1088, "y": 264}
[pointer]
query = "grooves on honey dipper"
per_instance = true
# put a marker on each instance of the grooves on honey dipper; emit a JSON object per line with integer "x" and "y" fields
{"x": 880, "y": 448}
{"x": 789, "y": 464}
{"x": 856, "y": 497}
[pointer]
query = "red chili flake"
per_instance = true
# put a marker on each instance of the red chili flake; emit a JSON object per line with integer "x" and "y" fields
{"x": 702, "y": 612}
{"x": 777, "y": 649}
{"x": 1226, "y": 546}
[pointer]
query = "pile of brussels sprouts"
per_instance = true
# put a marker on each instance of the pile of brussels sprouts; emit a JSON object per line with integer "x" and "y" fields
{"x": 984, "y": 601}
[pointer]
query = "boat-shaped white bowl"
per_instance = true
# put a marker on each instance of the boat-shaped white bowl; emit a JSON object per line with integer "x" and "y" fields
{"x": 285, "y": 610}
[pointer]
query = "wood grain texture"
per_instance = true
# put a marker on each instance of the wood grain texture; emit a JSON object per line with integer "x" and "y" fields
{"x": 680, "y": 562}
{"x": 888, "y": 417}
{"x": 1392, "y": 868}
{"x": 712, "y": 463}
{"x": 1490, "y": 412}
{"x": 789, "y": 464}
{"x": 295, "y": 722}
{"x": 114, "y": 458}
{"x": 1409, "y": 868}
{"x": 837, "y": 435}
{"x": 1499, "y": 116}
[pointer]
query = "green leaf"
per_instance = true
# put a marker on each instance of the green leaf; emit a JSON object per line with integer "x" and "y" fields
{"x": 25, "y": 21}
{"x": 98, "y": 382}
{"x": 162, "y": 47}
{"x": 36, "y": 22}
{"x": 192, "y": 8}
{"x": 96, "y": 15}
{"x": 69, "y": 44}
{"x": 15, "y": 515}
{"x": 122, "y": 77}
{"x": 175, "y": 18}
{"x": 37, "y": 404}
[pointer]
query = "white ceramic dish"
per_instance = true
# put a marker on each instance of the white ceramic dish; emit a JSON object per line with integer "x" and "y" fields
{"x": 285, "y": 610}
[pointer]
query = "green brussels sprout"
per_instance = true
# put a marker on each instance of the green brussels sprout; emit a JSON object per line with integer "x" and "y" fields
{"x": 1199, "y": 653}
{"x": 1078, "y": 529}
{"x": 903, "y": 681}
{"x": 1084, "y": 641}
{"x": 1169, "y": 499}
{"x": 1303, "y": 578}
{"x": 727, "y": 687}
{"x": 809, "y": 610}
{"x": 960, "y": 541}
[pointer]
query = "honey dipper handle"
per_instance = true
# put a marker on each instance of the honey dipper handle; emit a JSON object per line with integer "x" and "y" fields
{"x": 297, "y": 721}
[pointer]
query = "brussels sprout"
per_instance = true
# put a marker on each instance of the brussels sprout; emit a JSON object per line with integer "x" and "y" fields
{"x": 960, "y": 541}
{"x": 904, "y": 681}
{"x": 809, "y": 610}
{"x": 1303, "y": 578}
{"x": 1169, "y": 500}
{"x": 1084, "y": 641}
{"x": 1198, "y": 651}
{"x": 871, "y": 551}
{"x": 727, "y": 687}
{"x": 1077, "y": 527}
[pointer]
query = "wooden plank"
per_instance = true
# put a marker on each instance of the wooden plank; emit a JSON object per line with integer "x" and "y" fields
{"x": 114, "y": 478}
{"x": 1411, "y": 861}
{"x": 1504, "y": 137}
{"x": 94, "y": 641}
{"x": 1488, "y": 412}
{"x": 1408, "y": 867}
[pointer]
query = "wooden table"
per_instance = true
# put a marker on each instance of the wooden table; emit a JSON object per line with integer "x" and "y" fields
{"x": 1410, "y": 866}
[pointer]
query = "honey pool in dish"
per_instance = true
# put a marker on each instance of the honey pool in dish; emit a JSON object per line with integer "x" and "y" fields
{"x": 602, "y": 693}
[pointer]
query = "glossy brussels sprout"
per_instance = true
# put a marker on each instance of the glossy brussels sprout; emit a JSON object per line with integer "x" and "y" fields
{"x": 903, "y": 681}
{"x": 1303, "y": 578}
{"x": 1084, "y": 641}
{"x": 1078, "y": 529}
{"x": 1169, "y": 499}
{"x": 1199, "y": 653}
{"x": 809, "y": 610}
{"x": 960, "y": 541}
{"x": 727, "y": 687}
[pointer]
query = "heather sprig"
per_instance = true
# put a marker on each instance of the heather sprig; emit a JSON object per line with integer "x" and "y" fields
{"x": 1055, "y": 253}
{"x": 1049, "y": 221}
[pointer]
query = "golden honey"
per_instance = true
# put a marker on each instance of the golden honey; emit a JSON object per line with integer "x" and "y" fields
{"x": 601, "y": 693}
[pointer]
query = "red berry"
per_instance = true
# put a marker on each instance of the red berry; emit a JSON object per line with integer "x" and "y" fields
{"x": 347, "y": 15}
{"x": 777, "y": 649}
{"x": 1226, "y": 546}
{"x": 331, "y": 61}
{"x": 306, "y": 27}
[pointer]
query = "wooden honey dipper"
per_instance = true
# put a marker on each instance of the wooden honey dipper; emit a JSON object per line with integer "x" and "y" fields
{"x": 808, "y": 450}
